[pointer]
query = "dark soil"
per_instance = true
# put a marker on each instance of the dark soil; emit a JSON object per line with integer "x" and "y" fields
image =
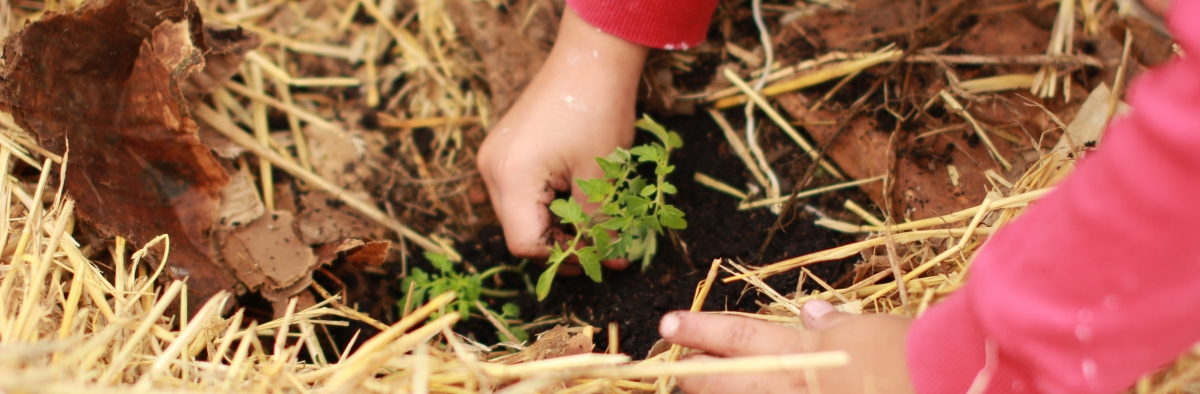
{"x": 715, "y": 229}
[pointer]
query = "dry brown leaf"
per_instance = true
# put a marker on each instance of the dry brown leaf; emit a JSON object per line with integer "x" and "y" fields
{"x": 558, "y": 342}
{"x": 323, "y": 219}
{"x": 240, "y": 204}
{"x": 356, "y": 251}
{"x": 339, "y": 157}
{"x": 227, "y": 50}
{"x": 269, "y": 253}
{"x": 106, "y": 80}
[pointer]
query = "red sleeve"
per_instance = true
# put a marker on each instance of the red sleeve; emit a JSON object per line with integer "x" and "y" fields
{"x": 666, "y": 24}
{"x": 1099, "y": 283}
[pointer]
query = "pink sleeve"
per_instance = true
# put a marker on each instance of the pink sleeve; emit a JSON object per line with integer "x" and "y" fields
{"x": 1100, "y": 282}
{"x": 667, "y": 24}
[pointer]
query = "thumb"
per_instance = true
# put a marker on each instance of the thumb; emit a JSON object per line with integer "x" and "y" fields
{"x": 821, "y": 315}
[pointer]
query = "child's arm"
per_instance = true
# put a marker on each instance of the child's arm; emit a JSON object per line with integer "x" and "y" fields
{"x": 1099, "y": 283}
{"x": 579, "y": 106}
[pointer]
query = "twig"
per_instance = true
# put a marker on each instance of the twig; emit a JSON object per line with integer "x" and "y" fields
{"x": 783, "y": 124}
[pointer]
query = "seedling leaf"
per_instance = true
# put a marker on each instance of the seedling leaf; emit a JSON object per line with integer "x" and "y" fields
{"x": 648, "y": 124}
{"x": 648, "y": 191}
{"x": 440, "y": 261}
{"x": 569, "y": 210}
{"x": 645, "y": 153}
{"x": 674, "y": 141}
{"x": 543, "y": 285}
{"x": 510, "y": 310}
{"x": 636, "y": 206}
{"x": 611, "y": 170}
{"x": 667, "y": 187}
{"x": 589, "y": 258}
{"x": 616, "y": 223}
{"x": 596, "y": 189}
{"x": 600, "y": 239}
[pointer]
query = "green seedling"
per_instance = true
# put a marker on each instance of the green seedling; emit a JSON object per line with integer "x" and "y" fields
{"x": 632, "y": 207}
{"x": 446, "y": 278}
{"x": 469, "y": 288}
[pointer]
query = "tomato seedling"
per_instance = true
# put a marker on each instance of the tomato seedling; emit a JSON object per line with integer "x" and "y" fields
{"x": 632, "y": 207}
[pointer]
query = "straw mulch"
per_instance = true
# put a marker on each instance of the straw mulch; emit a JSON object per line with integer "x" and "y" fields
{"x": 69, "y": 323}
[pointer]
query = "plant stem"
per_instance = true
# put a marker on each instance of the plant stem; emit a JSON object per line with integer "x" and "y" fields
{"x": 497, "y": 293}
{"x": 498, "y": 269}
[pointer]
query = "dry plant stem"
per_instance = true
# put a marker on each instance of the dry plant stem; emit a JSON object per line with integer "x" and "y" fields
{"x": 823, "y": 285}
{"x": 614, "y": 338}
{"x": 851, "y": 206}
{"x": 809, "y": 193}
{"x": 779, "y": 121}
{"x": 983, "y": 135}
{"x": 664, "y": 382}
{"x": 997, "y": 83}
{"x": 787, "y": 71}
{"x": 770, "y": 292}
{"x": 712, "y": 183}
{"x": 25, "y": 317}
{"x": 894, "y": 262}
{"x": 553, "y": 365}
{"x": 210, "y": 309}
{"x": 117, "y": 366}
{"x": 301, "y": 142}
{"x": 739, "y": 148}
{"x": 508, "y": 335}
{"x": 751, "y": 130}
{"x": 1119, "y": 83}
{"x": 351, "y": 312}
{"x": 836, "y": 88}
{"x": 262, "y": 135}
{"x": 1046, "y": 82}
{"x": 755, "y": 364}
{"x": 850, "y": 250}
{"x": 814, "y": 78}
{"x": 384, "y": 338}
{"x": 890, "y": 287}
{"x": 231, "y": 131}
{"x": 290, "y": 109}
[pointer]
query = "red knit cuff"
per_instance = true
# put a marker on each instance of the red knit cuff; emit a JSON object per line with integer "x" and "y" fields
{"x": 666, "y": 24}
{"x": 947, "y": 350}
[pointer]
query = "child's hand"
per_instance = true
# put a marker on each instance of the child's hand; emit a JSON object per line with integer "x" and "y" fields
{"x": 875, "y": 344}
{"x": 579, "y": 106}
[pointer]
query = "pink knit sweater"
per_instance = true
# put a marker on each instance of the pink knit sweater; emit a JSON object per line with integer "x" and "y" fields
{"x": 1099, "y": 283}
{"x": 1096, "y": 284}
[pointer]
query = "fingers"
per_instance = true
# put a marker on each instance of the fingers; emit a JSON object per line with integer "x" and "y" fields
{"x": 820, "y": 315}
{"x": 570, "y": 270}
{"x": 616, "y": 264}
{"x": 521, "y": 198}
{"x": 730, "y": 335}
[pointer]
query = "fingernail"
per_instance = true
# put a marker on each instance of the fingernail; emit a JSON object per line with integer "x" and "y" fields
{"x": 816, "y": 308}
{"x": 668, "y": 325}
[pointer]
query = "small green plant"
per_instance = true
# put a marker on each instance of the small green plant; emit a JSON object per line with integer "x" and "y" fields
{"x": 468, "y": 287}
{"x": 631, "y": 206}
